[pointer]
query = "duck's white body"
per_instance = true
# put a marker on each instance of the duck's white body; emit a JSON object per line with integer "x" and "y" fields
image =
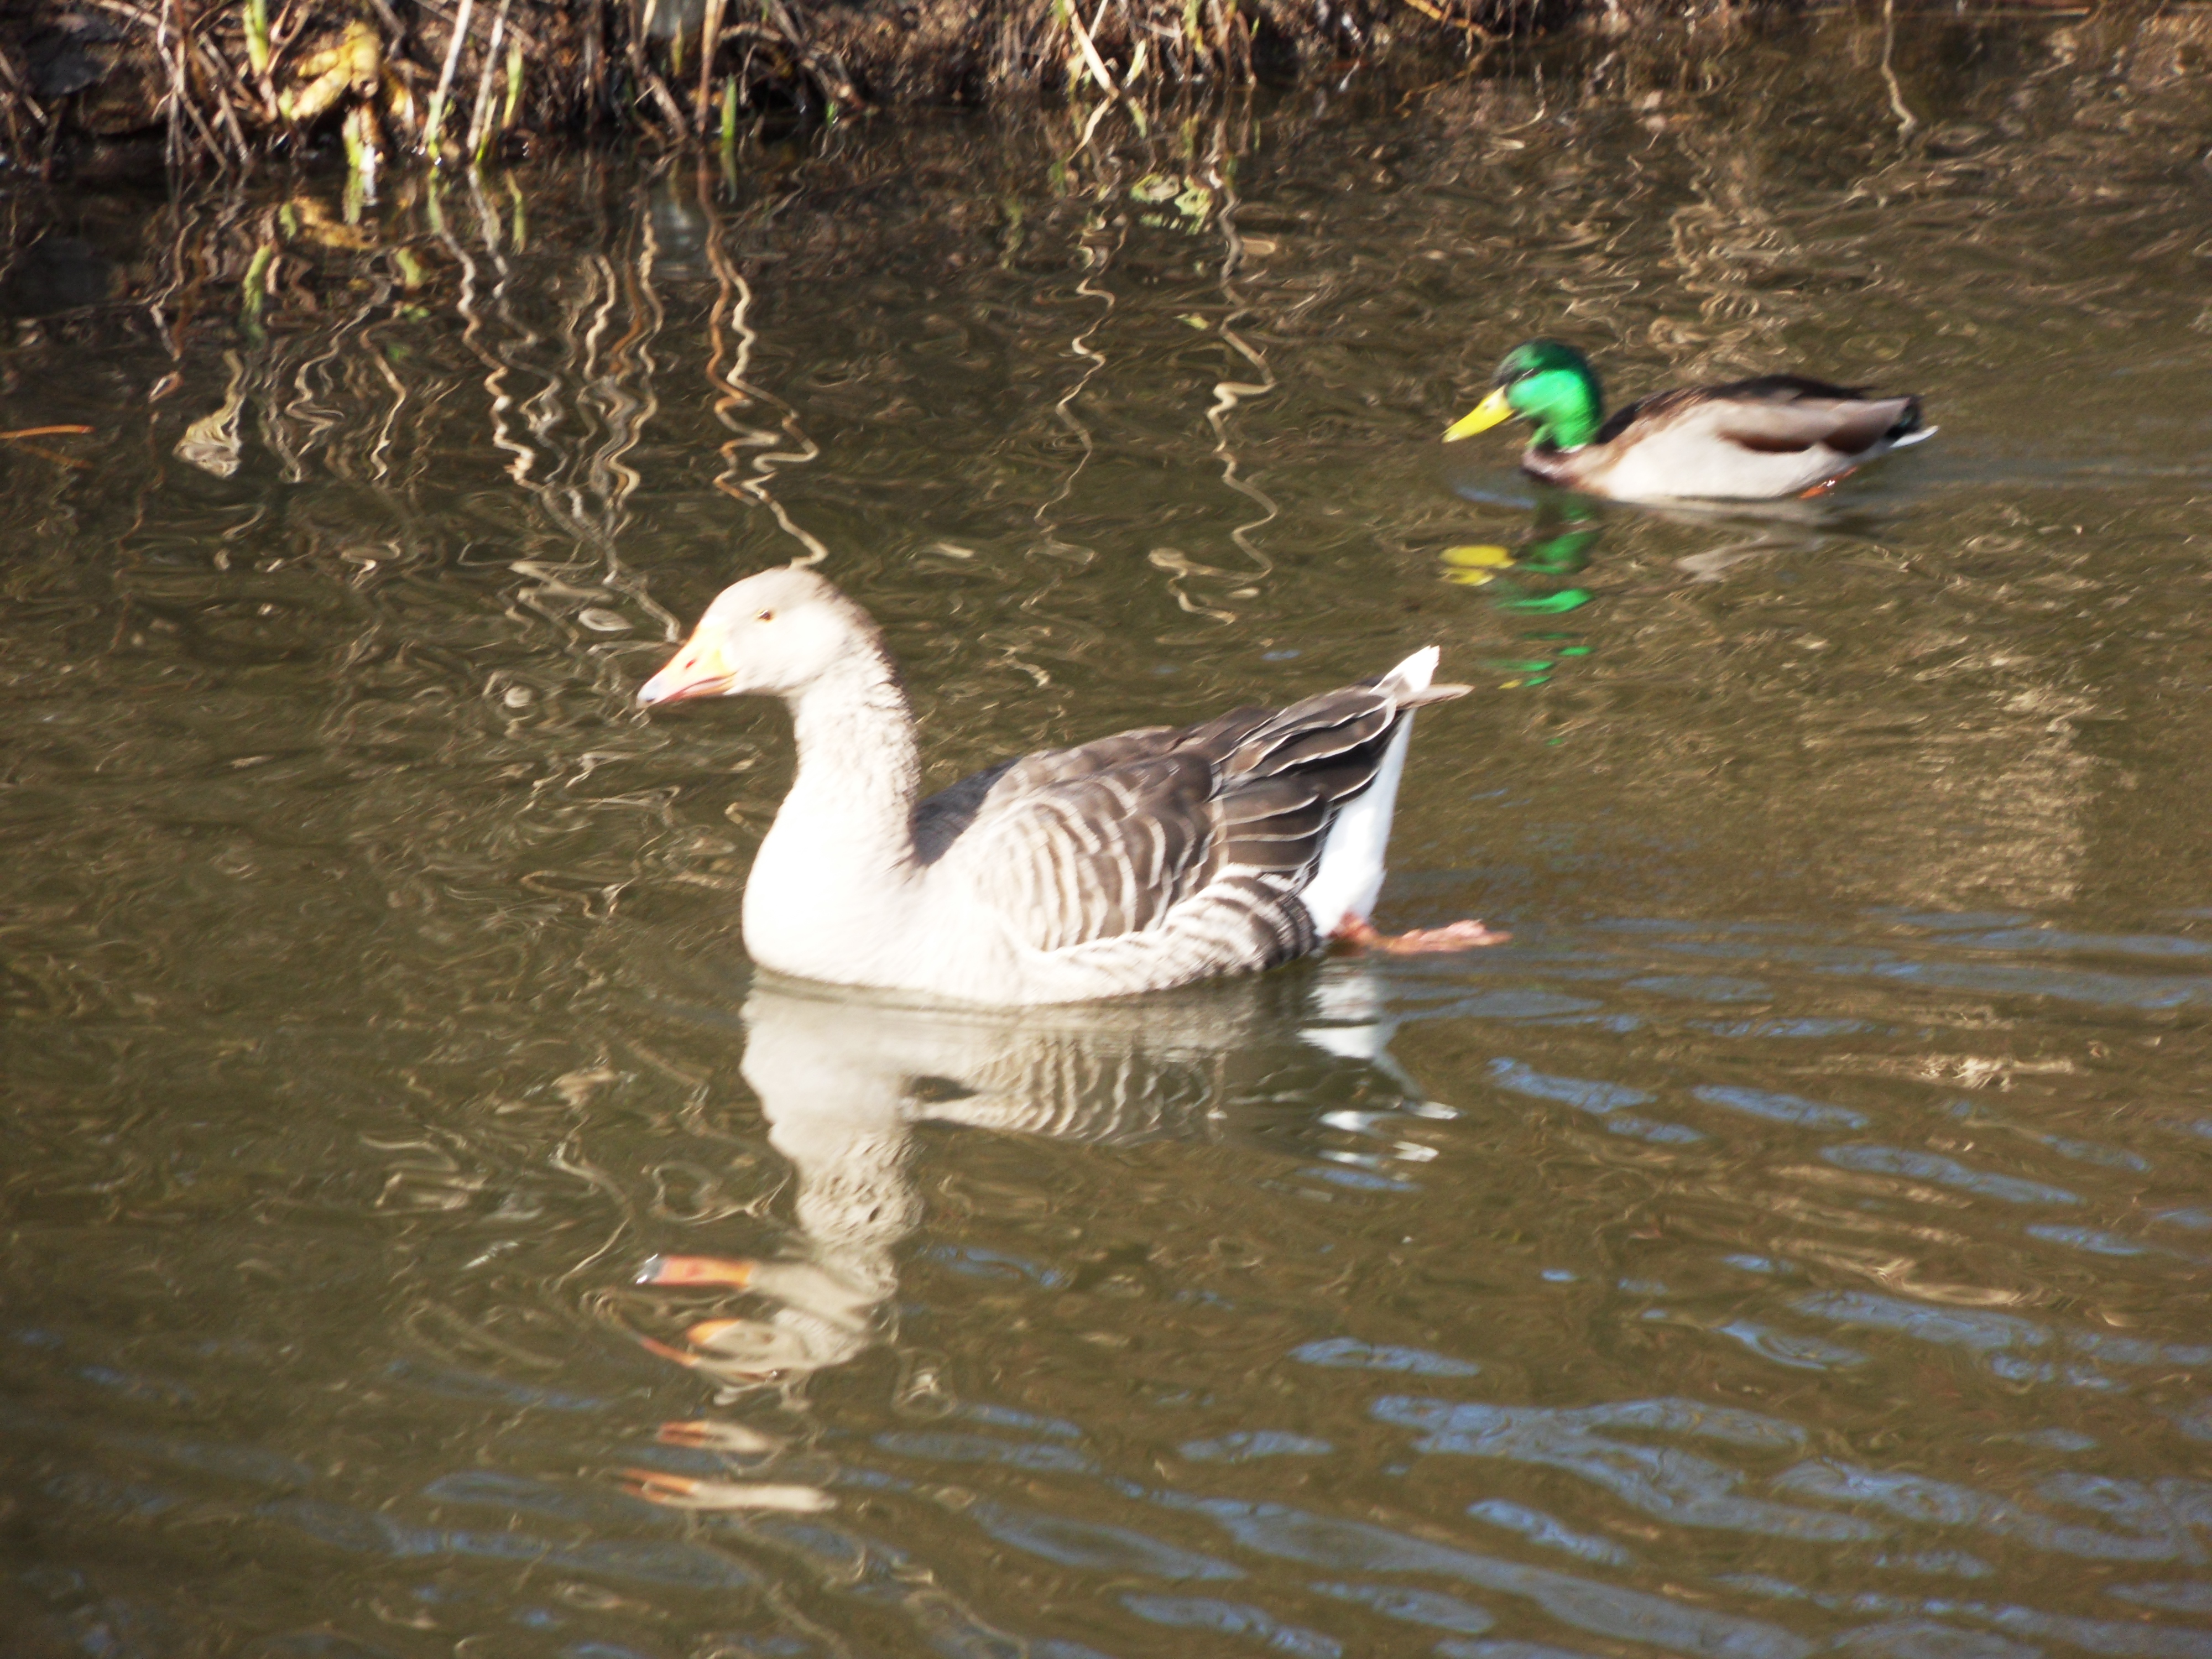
{"x": 1756, "y": 440}
{"x": 1143, "y": 861}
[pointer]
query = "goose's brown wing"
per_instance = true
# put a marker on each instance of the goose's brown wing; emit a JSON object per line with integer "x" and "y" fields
{"x": 941, "y": 819}
{"x": 1076, "y": 846}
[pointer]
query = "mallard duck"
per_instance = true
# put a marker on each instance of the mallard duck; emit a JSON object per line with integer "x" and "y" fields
{"x": 1780, "y": 434}
{"x": 1151, "y": 858}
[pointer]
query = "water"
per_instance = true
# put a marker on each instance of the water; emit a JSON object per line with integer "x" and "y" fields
{"x": 1797, "y": 1239}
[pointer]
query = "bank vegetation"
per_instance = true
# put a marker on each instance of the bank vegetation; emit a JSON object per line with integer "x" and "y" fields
{"x": 225, "y": 86}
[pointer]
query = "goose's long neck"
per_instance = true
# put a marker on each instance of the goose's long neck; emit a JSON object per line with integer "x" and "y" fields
{"x": 859, "y": 772}
{"x": 841, "y": 854}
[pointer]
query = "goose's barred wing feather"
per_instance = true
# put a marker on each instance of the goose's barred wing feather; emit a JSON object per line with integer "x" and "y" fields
{"x": 1098, "y": 856}
{"x": 1165, "y": 827}
{"x": 940, "y": 820}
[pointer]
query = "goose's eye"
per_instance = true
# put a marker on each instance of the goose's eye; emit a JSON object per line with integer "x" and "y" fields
{"x": 765, "y": 616}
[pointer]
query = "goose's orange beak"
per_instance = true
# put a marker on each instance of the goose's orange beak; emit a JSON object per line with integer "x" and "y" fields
{"x": 699, "y": 670}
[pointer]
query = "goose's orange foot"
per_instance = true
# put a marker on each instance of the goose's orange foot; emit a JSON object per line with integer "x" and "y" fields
{"x": 695, "y": 1270}
{"x": 1467, "y": 935}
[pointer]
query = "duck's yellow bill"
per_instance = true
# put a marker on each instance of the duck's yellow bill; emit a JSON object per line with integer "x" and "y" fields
{"x": 1492, "y": 410}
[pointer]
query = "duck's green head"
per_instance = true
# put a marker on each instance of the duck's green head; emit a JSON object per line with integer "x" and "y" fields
{"x": 1548, "y": 383}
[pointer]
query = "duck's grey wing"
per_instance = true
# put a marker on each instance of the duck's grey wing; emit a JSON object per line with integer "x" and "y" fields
{"x": 1783, "y": 388}
{"x": 1784, "y": 414}
{"x": 1774, "y": 415}
{"x": 1852, "y": 429}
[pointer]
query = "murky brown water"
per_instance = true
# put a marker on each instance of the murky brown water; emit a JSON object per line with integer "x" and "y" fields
{"x": 1798, "y": 1239}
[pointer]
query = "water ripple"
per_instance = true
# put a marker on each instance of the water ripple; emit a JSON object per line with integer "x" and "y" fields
{"x": 1666, "y": 1483}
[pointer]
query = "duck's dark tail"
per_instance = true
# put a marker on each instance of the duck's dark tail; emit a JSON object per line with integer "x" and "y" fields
{"x": 1909, "y": 428}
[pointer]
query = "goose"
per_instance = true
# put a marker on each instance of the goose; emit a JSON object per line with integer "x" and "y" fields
{"x": 1759, "y": 439}
{"x": 1135, "y": 862}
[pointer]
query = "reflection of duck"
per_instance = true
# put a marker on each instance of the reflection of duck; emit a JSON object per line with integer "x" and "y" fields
{"x": 1559, "y": 538}
{"x": 1147, "y": 859}
{"x": 1557, "y": 544}
{"x": 843, "y": 1079}
{"x": 1780, "y": 434}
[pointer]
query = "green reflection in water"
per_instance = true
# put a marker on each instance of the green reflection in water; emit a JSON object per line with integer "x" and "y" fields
{"x": 1558, "y": 545}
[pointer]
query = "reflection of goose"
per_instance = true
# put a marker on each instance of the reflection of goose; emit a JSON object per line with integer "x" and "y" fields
{"x": 842, "y": 1079}
{"x": 1151, "y": 858}
{"x": 1780, "y": 434}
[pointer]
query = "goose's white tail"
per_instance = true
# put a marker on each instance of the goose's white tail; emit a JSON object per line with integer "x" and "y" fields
{"x": 1348, "y": 877}
{"x": 1911, "y": 438}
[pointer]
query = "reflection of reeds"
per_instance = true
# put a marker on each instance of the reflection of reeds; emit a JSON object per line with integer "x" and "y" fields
{"x": 733, "y": 391}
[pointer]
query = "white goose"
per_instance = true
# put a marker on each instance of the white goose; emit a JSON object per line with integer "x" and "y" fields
{"x": 1146, "y": 860}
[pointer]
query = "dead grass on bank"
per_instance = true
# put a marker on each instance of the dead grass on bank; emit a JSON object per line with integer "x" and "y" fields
{"x": 224, "y": 85}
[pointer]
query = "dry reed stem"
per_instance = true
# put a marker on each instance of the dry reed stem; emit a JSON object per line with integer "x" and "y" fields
{"x": 437, "y": 116}
{"x": 1099, "y": 72}
{"x": 176, "y": 60}
{"x": 710, "y": 35}
{"x": 19, "y": 91}
{"x": 480, "y": 117}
